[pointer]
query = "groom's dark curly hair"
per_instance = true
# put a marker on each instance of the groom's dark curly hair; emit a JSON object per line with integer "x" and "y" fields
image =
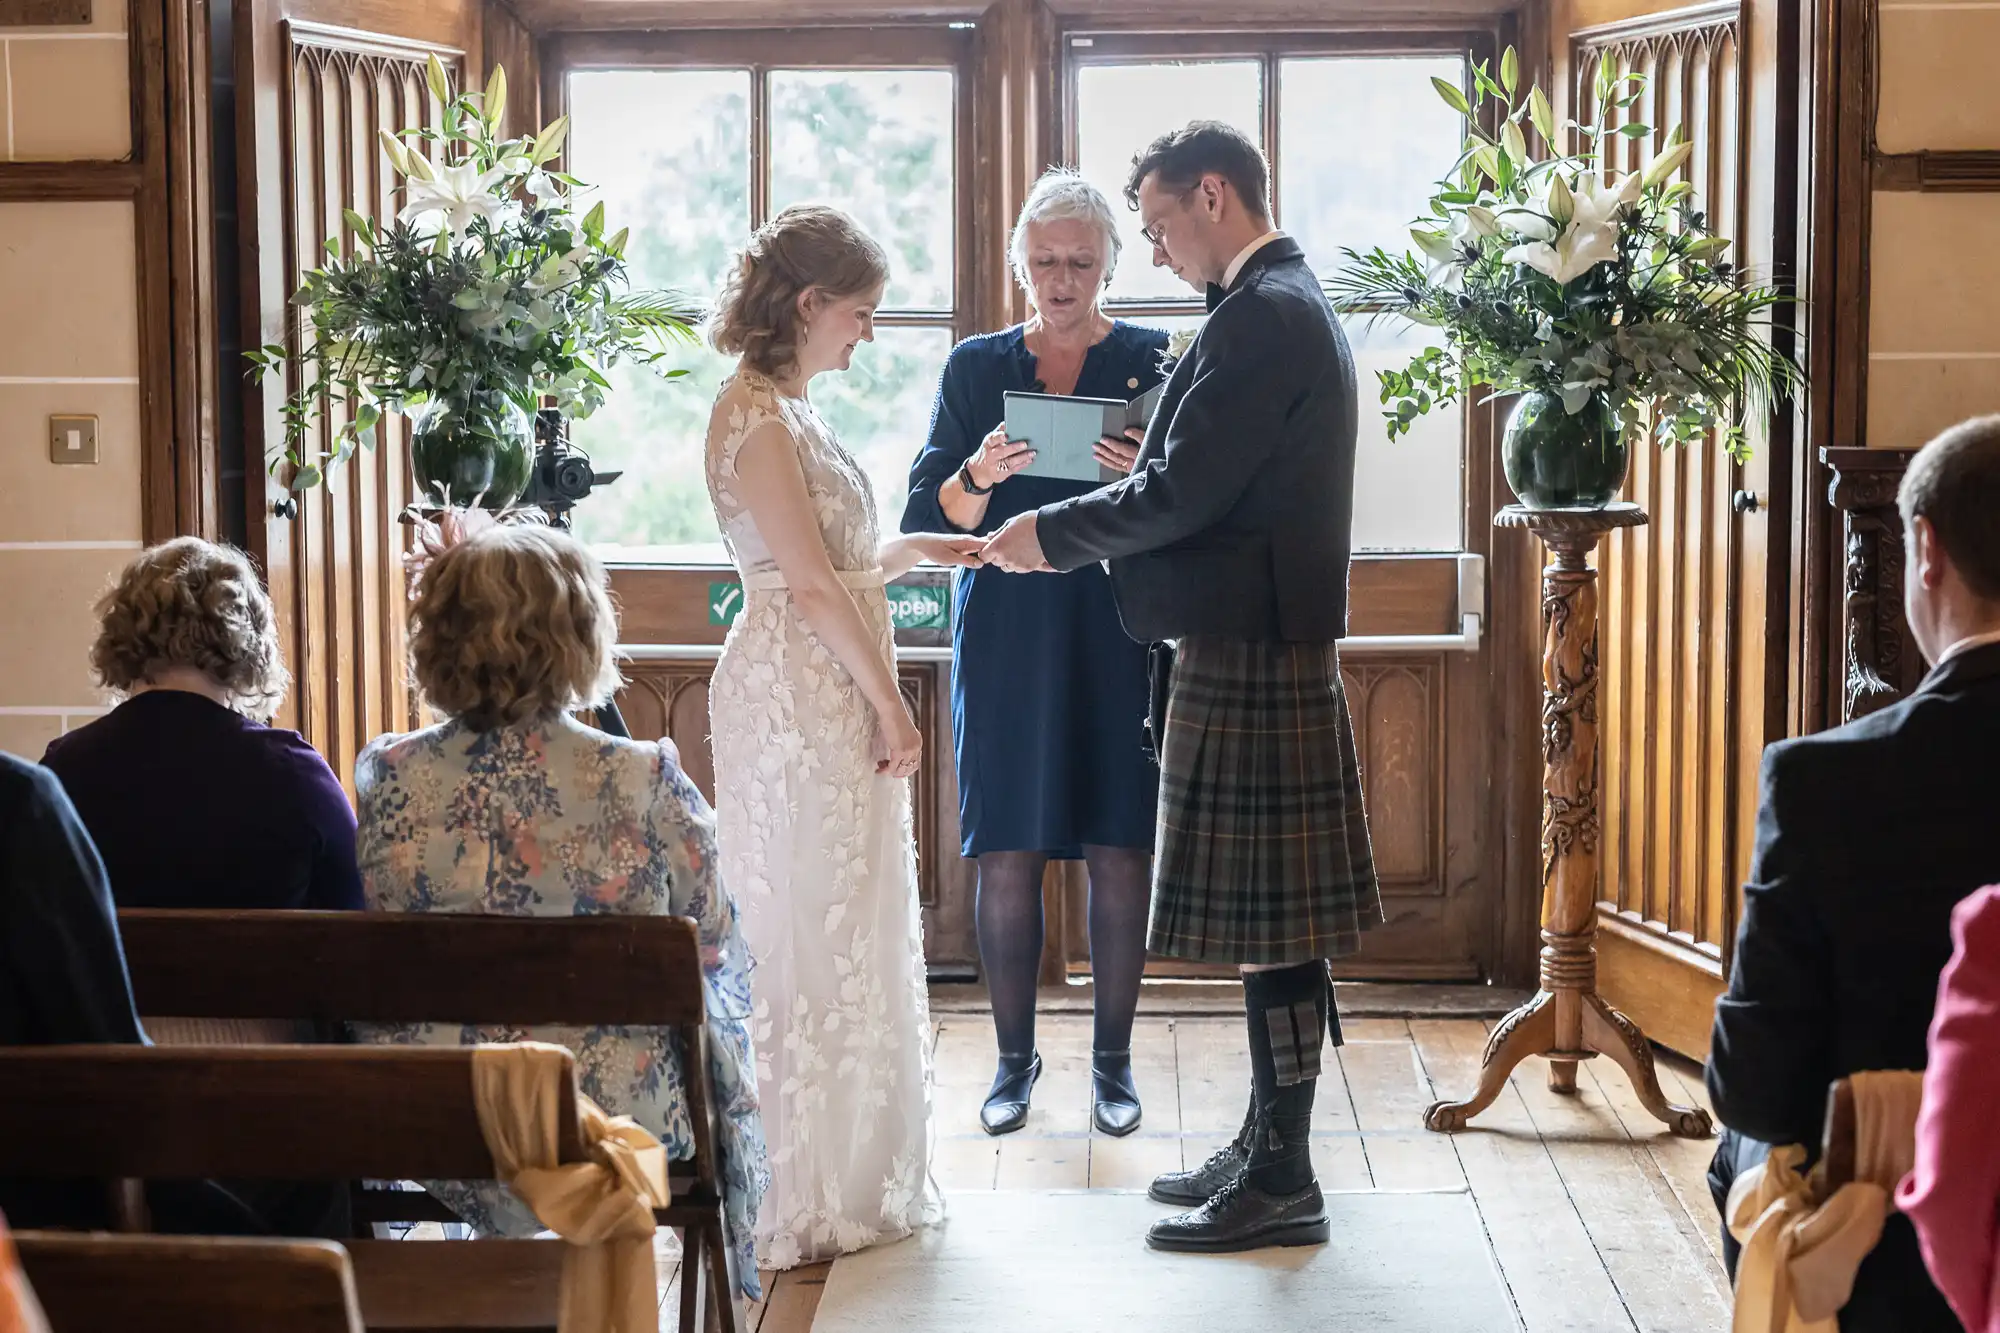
{"x": 1204, "y": 148}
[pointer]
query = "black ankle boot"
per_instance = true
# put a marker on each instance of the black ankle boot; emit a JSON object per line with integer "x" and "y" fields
{"x": 1006, "y": 1108}
{"x": 1192, "y": 1189}
{"x": 1114, "y": 1100}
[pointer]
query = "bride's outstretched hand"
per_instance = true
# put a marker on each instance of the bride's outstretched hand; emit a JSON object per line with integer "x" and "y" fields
{"x": 898, "y": 743}
{"x": 951, "y": 549}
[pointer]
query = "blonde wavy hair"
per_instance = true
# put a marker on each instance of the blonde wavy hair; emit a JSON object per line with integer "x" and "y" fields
{"x": 808, "y": 247}
{"x": 514, "y": 623}
{"x": 190, "y": 603}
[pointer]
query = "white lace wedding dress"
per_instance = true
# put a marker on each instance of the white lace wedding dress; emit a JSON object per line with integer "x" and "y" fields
{"x": 819, "y": 852}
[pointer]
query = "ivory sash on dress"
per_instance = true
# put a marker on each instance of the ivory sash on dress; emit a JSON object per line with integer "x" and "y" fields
{"x": 603, "y": 1208}
{"x": 1800, "y": 1248}
{"x": 773, "y": 580}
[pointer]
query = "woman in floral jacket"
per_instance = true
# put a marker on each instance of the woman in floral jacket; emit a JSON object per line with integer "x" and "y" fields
{"x": 513, "y": 807}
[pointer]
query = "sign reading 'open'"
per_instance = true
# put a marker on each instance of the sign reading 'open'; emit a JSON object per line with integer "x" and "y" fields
{"x": 910, "y": 607}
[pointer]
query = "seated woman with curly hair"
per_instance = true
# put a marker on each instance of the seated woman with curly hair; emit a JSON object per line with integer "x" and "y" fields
{"x": 515, "y": 808}
{"x": 192, "y": 800}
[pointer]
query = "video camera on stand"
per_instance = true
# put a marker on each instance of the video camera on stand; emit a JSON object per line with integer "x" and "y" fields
{"x": 561, "y": 476}
{"x": 562, "y": 473}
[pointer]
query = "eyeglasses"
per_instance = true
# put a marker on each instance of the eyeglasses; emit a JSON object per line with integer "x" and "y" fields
{"x": 1154, "y": 232}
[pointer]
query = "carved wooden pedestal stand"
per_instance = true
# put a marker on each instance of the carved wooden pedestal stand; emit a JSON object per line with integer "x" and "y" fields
{"x": 1568, "y": 1021}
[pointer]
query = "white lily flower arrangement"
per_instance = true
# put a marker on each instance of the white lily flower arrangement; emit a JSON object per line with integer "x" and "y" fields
{"x": 486, "y": 289}
{"x": 1544, "y": 276}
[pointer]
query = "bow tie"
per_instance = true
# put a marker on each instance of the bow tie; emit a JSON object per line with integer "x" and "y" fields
{"x": 1214, "y": 294}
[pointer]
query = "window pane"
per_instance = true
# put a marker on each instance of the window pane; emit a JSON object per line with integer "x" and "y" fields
{"x": 881, "y": 408}
{"x": 1122, "y": 108}
{"x": 669, "y": 154}
{"x": 1407, "y": 491}
{"x": 877, "y": 143}
{"x": 1360, "y": 187}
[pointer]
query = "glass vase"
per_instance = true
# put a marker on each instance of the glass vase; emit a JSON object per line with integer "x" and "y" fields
{"x": 1555, "y": 459}
{"x": 471, "y": 451}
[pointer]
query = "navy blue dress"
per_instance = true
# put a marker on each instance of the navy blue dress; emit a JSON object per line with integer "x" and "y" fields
{"x": 1048, "y": 692}
{"x": 194, "y": 805}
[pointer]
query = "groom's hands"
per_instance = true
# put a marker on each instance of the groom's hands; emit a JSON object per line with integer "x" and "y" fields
{"x": 1017, "y": 548}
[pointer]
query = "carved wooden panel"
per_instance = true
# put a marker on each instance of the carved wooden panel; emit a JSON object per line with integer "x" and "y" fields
{"x": 318, "y": 96}
{"x": 670, "y": 700}
{"x": 1398, "y": 711}
{"x": 1682, "y": 598}
{"x": 1879, "y": 662}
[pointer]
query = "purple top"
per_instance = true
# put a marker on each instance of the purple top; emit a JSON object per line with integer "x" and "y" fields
{"x": 194, "y": 805}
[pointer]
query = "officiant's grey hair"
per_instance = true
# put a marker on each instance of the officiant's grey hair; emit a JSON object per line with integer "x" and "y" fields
{"x": 1061, "y": 194}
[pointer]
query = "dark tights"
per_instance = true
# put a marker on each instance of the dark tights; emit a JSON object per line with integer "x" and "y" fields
{"x": 1010, "y": 940}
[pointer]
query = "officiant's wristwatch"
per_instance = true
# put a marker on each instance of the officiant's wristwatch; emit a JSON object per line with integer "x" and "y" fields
{"x": 965, "y": 480}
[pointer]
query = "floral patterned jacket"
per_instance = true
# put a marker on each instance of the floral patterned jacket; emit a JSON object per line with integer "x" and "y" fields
{"x": 552, "y": 818}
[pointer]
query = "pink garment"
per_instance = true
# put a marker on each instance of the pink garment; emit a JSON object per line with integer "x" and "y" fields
{"x": 1953, "y": 1195}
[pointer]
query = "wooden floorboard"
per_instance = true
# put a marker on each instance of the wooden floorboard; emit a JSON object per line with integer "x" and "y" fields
{"x": 1597, "y": 1220}
{"x": 1663, "y": 1272}
{"x": 1553, "y": 1269}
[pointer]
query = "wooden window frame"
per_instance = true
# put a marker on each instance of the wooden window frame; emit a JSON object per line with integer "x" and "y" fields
{"x": 1084, "y": 44}
{"x": 763, "y": 51}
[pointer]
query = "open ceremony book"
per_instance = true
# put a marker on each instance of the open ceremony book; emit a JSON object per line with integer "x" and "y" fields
{"x": 1065, "y": 430}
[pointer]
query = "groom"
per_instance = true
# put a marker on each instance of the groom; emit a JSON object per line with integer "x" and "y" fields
{"x": 1230, "y": 538}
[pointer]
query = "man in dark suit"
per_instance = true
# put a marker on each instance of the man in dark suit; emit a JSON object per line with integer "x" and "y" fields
{"x": 62, "y": 969}
{"x": 63, "y": 982}
{"x": 1867, "y": 836}
{"x": 1230, "y": 539}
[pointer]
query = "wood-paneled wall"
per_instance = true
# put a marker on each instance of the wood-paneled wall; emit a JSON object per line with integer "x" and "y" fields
{"x": 1683, "y": 598}
{"x": 323, "y": 86}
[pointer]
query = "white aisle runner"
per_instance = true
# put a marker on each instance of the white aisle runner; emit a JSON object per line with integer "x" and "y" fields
{"x": 1078, "y": 1263}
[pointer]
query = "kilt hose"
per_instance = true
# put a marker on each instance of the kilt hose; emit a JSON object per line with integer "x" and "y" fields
{"x": 1263, "y": 852}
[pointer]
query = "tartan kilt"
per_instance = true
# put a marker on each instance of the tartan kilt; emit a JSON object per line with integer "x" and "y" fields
{"x": 1263, "y": 852}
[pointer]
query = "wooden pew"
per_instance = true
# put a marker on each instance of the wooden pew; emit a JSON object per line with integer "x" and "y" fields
{"x": 399, "y": 967}
{"x": 324, "y": 1113}
{"x": 1836, "y": 1153}
{"x": 172, "y": 1284}
{"x": 1838, "y": 1160}
{"x": 495, "y": 971}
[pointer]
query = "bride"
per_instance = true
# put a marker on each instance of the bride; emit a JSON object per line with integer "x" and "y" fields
{"x": 813, "y": 746}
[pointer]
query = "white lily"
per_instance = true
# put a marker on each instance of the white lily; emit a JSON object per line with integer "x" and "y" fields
{"x": 1589, "y": 237}
{"x": 558, "y": 271}
{"x": 542, "y": 188}
{"x": 1455, "y": 249}
{"x": 459, "y": 195}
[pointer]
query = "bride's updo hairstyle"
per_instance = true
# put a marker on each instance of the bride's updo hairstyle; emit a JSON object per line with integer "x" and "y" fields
{"x": 756, "y": 316}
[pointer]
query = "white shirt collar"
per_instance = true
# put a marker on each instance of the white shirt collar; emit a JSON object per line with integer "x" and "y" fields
{"x": 1967, "y": 644}
{"x": 1243, "y": 257}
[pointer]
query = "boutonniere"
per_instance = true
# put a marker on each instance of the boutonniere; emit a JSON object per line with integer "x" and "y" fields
{"x": 1178, "y": 342}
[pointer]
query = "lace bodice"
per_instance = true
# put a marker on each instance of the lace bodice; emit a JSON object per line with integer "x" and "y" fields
{"x": 843, "y": 501}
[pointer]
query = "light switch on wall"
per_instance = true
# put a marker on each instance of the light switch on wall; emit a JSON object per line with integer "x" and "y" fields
{"x": 72, "y": 439}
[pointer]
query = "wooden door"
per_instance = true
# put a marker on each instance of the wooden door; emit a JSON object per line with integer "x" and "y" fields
{"x": 316, "y": 80}
{"x": 1694, "y": 602}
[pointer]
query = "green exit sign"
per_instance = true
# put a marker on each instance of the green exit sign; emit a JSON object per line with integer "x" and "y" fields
{"x": 911, "y": 606}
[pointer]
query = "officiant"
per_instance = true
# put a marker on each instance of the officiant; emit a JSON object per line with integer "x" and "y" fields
{"x": 1049, "y": 694}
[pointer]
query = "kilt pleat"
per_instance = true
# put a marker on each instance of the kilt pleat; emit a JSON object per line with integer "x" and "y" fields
{"x": 1263, "y": 852}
